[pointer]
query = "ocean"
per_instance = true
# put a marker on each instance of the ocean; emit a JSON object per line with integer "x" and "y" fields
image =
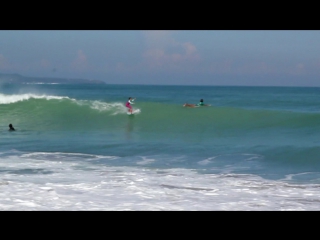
{"x": 76, "y": 149}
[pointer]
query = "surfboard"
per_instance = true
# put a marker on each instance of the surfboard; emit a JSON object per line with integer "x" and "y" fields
{"x": 135, "y": 111}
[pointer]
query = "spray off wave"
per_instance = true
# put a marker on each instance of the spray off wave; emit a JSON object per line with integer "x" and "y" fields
{"x": 114, "y": 108}
{"x": 7, "y": 99}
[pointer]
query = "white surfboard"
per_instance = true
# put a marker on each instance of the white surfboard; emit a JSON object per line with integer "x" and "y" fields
{"x": 135, "y": 111}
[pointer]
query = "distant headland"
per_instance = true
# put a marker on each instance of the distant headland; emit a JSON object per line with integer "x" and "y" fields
{"x": 17, "y": 78}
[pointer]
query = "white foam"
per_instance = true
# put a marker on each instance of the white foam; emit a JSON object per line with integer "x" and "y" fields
{"x": 58, "y": 182}
{"x": 145, "y": 161}
{"x": 7, "y": 99}
{"x": 206, "y": 161}
{"x": 114, "y": 107}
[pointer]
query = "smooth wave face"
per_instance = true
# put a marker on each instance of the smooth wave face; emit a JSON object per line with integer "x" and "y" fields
{"x": 169, "y": 123}
{"x": 65, "y": 109}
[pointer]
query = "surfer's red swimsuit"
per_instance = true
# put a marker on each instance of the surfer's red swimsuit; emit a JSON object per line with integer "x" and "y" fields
{"x": 128, "y": 105}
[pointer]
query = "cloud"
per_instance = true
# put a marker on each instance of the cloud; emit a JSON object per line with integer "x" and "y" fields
{"x": 298, "y": 69}
{"x": 120, "y": 67}
{"x": 221, "y": 66}
{"x": 163, "y": 52}
{"x": 157, "y": 39}
{"x": 254, "y": 68}
{"x": 80, "y": 63}
{"x": 4, "y": 63}
{"x": 229, "y": 66}
{"x": 190, "y": 49}
{"x": 45, "y": 63}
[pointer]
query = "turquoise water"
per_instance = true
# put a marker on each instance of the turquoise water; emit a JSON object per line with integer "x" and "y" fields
{"x": 252, "y": 143}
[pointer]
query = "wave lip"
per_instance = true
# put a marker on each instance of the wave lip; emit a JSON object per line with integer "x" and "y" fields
{"x": 8, "y": 99}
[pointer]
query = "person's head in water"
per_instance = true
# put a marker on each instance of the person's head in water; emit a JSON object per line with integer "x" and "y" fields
{"x": 11, "y": 128}
{"x": 201, "y": 100}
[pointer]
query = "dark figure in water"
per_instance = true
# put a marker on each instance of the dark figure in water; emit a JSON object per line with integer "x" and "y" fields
{"x": 11, "y": 128}
{"x": 196, "y": 105}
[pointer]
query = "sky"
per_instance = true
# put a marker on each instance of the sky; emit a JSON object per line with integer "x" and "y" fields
{"x": 166, "y": 57}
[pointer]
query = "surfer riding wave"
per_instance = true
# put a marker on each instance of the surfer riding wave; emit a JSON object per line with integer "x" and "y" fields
{"x": 128, "y": 104}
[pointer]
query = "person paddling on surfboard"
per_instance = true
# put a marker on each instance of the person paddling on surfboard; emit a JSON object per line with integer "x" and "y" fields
{"x": 200, "y": 104}
{"x": 128, "y": 104}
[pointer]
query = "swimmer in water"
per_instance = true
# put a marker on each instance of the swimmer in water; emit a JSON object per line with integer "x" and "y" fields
{"x": 11, "y": 128}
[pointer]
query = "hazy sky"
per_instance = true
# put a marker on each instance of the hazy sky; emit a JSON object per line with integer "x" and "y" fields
{"x": 180, "y": 57}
